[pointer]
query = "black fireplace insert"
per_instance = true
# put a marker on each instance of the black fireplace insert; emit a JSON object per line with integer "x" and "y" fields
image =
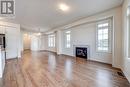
{"x": 81, "y": 52}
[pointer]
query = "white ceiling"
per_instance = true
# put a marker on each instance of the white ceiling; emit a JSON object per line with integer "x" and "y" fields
{"x": 45, "y": 14}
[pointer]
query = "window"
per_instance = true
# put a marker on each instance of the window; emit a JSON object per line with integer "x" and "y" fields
{"x": 128, "y": 29}
{"x": 103, "y": 43}
{"x": 51, "y": 40}
{"x": 67, "y": 39}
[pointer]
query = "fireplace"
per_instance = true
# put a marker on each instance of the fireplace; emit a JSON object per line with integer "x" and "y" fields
{"x": 81, "y": 52}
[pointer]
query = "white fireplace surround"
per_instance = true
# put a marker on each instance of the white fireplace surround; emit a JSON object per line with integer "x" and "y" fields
{"x": 86, "y": 46}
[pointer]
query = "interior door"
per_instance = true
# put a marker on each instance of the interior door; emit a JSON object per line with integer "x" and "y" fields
{"x": 11, "y": 42}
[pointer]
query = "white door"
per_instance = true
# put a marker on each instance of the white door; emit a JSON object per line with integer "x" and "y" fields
{"x": 11, "y": 42}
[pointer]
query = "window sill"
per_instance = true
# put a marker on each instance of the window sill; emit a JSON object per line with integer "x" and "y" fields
{"x": 103, "y": 52}
{"x": 67, "y": 48}
{"x": 51, "y": 47}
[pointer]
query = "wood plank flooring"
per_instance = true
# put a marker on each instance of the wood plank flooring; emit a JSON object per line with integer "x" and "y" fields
{"x": 46, "y": 69}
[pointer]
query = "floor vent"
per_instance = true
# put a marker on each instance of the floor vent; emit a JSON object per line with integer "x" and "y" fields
{"x": 120, "y": 74}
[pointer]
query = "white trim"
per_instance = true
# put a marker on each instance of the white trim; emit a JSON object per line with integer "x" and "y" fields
{"x": 128, "y": 33}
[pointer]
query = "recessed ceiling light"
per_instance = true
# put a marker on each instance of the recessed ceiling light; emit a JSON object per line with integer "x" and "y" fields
{"x": 63, "y": 7}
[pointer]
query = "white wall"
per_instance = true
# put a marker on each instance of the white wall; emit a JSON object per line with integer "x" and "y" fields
{"x": 86, "y": 35}
{"x": 59, "y": 40}
{"x": 13, "y": 39}
{"x": 80, "y": 32}
{"x": 34, "y": 43}
{"x": 125, "y": 59}
{"x": 42, "y": 45}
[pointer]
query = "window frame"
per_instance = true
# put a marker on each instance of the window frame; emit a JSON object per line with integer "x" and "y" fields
{"x": 67, "y": 32}
{"x": 109, "y": 21}
{"x": 51, "y": 38}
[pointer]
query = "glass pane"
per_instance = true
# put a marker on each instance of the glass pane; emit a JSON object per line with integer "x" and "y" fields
{"x": 68, "y": 37}
{"x": 105, "y": 24}
{"x": 51, "y": 42}
{"x": 100, "y": 25}
{"x": 105, "y": 30}
{"x": 99, "y": 48}
{"x": 105, "y": 36}
{"x": 100, "y": 37}
{"x": 105, "y": 44}
{"x": 99, "y": 44}
{"x": 105, "y": 48}
{"x": 100, "y": 31}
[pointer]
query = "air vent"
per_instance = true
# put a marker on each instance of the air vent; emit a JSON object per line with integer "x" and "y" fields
{"x": 120, "y": 74}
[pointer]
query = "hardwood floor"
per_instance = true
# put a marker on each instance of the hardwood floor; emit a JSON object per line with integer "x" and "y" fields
{"x": 45, "y": 69}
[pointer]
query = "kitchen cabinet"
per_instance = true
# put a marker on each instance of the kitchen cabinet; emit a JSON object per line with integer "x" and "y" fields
{"x": 13, "y": 43}
{"x": 12, "y": 38}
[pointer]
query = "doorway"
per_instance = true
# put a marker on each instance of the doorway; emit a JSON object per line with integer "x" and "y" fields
{"x": 26, "y": 42}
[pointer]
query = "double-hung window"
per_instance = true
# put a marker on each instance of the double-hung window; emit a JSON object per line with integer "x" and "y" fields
{"x": 103, "y": 42}
{"x": 51, "y": 40}
{"x": 68, "y": 39}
